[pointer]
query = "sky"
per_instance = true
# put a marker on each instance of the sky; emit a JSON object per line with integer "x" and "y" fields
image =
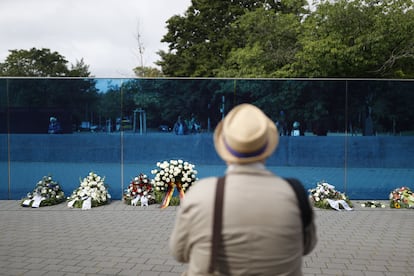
{"x": 102, "y": 32}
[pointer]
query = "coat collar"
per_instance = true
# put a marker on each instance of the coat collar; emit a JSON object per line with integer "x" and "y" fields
{"x": 251, "y": 168}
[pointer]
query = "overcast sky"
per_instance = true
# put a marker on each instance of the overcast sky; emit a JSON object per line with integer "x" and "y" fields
{"x": 102, "y": 32}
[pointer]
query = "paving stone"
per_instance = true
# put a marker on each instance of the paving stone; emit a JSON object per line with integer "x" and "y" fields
{"x": 135, "y": 242}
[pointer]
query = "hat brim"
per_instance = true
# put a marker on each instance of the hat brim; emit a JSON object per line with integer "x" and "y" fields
{"x": 272, "y": 142}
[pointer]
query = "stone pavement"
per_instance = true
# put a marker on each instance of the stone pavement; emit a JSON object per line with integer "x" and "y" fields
{"x": 117, "y": 239}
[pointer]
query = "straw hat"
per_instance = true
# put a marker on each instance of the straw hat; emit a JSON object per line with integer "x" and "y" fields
{"x": 245, "y": 135}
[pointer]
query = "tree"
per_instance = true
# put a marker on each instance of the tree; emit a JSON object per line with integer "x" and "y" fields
{"x": 143, "y": 71}
{"x": 147, "y": 72}
{"x": 76, "y": 96}
{"x": 41, "y": 63}
{"x": 80, "y": 69}
{"x": 201, "y": 40}
{"x": 361, "y": 38}
{"x": 270, "y": 43}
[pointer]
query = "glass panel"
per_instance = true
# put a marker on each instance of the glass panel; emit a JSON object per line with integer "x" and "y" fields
{"x": 4, "y": 149}
{"x": 379, "y": 147}
{"x": 354, "y": 134}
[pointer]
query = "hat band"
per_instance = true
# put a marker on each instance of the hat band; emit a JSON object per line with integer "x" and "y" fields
{"x": 245, "y": 154}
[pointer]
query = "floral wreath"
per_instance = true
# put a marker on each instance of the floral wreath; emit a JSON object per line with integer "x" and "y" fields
{"x": 324, "y": 194}
{"x": 402, "y": 197}
{"x": 171, "y": 175}
{"x": 46, "y": 193}
{"x": 93, "y": 190}
{"x": 372, "y": 204}
{"x": 140, "y": 187}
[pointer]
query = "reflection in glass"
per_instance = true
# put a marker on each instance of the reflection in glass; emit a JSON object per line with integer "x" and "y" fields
{"x": 124, "y": 126}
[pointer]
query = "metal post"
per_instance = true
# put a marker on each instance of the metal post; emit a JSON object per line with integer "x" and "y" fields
{"x": 140, "y": 121}
{"x": 135, "y": 121}
{"x": 223, "y": 99}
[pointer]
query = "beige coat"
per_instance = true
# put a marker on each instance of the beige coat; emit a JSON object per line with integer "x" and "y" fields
{"x": 262, "y": 229}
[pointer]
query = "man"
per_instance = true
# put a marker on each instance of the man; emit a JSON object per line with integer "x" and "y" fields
{"x": 262, "y": 231}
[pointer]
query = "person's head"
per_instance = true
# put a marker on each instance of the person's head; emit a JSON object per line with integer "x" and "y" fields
{"x": 246, "y": 135}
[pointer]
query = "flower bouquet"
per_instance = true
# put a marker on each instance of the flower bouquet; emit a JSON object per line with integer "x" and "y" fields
{"x": 372, "y": 204}
{"x": 325, "y": 196}
{"x": 402, "y": 198}
{"x": 170, "y": 175}
{"x": 140, "y": 189}
{"x": 92, "y": 192}
{"x": 46, "y": 193}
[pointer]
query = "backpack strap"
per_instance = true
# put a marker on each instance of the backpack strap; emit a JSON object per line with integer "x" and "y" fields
{"x": 217, "y": 222}
{"x": 304, "y": 204}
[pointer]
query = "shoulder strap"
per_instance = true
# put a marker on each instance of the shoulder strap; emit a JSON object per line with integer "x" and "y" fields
{"x": 217, "y": 222}
{"x": 304, "y": 205}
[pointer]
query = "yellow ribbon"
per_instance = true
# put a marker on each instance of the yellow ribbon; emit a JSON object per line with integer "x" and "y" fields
{"x": 166, "y": 201}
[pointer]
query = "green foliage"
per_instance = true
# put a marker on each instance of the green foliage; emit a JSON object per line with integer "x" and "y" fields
{"x": 77, "y": 96}
{"x": 41, "y": 63}
{"x": 159, "y": 196}
{"x": 356, "y": 39}
{"x": 201, "y": 40}
{"x": 270, "y": 40}
{"x": 360, "y": 38}
{"x": 147, "y": 72}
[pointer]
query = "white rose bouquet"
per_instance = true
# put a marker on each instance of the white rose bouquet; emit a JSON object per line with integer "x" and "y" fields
{"x": 92, "y": 191}
{"x": 175, "y": 174}
{"x": 46, "y": 193}
{"x": 323, "y": 193}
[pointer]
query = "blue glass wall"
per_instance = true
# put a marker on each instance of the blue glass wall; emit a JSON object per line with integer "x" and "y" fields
{"x": 355, "y": 134}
